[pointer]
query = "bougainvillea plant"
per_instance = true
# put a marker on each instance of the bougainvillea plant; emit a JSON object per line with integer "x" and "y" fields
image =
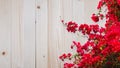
{"x": 102, "y": 49}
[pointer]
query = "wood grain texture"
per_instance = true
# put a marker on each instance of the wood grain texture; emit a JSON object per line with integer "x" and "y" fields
{"x": 29, "y": 33}
{"x": 5, "y": 33}
{"x": 10, "y": 33}
{"x": 16, "y": 38}
{"x": 41, "y": 34}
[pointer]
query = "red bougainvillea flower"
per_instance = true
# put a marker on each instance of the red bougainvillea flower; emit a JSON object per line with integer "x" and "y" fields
{"x": 72, "y": 26}
{"x": 113, "y": 32}
{"x": 63, "y": 56}
{"x": 96, "y": 59}
{"x": 102, "y": 47}
{"x": 101, "y": 16}
{"x": 69, "y": 55}
{"x": 115, "y": 44}
{"x": 102, "y": 30}
{"x": 118, "y": 58}
{"x": 95, "y": 18}
{"x": 118, "y": 1}
{"x": 85, "y": 29}
{"x": 100, "y": 4}
{"x": 68, "y": 65}
{"x": 95, "y": 28}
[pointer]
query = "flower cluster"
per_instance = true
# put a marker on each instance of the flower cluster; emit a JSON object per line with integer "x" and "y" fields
{"x": 72, "y": 26}
{"x": 102, "y": 49}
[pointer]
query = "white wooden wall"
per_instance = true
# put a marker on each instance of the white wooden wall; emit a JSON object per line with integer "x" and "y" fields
{"x": 10, "y": 34}
{"x": 31, "y": 33}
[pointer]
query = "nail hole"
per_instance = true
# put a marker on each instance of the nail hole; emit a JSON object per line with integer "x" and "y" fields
{"x": 3, "y": 53}
{"x": 38, "y": 7}
{"x": 43, "y": 56}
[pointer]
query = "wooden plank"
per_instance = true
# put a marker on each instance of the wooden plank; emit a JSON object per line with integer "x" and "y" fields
{"x": 42, "y": 34}
{"x": 54, "y": 13}
{"x": 16, "y": 38}
{"x": 29, "y": 33}
{"x": 5, "y": 34}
